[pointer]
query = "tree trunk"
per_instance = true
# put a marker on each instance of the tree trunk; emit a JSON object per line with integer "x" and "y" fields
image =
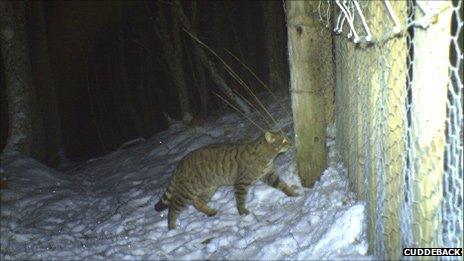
{"x": 274, "y": 44}
{"x": 217, "y": 79}
{"x": 18, "y": 78}
{"x": 178, "y": 72}
{"x": 46, "y": 88}
{"x": 219, "y": 34}
{"x": 252, "y": 43}
{"x": 126, "y": 93}
{"x": 202, "y": 88}
{"x": 172, "y": 47}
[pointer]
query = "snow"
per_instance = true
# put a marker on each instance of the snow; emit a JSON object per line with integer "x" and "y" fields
{"x": 104, "y": 208}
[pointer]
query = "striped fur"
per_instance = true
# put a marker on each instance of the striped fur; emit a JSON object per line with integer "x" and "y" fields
{"x": 202, "y": 171}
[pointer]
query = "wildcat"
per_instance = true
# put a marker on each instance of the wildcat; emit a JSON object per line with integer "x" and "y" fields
{"x": 201, "y": 172}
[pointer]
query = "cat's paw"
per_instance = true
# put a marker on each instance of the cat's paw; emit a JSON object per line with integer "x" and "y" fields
{"x": 243, "y": 211}
{"x": 172, "y": 225}
{"x": 211, "y": 213}
{"x": 291, "y": 192}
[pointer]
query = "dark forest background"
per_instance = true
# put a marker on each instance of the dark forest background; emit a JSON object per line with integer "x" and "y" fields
{"x": 105, "y": 72}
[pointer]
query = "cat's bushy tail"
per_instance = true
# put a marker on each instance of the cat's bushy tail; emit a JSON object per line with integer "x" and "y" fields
{"x": 163, "y": 203}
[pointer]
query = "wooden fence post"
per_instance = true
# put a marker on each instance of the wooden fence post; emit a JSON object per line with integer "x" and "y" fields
{"x": 306, "y": 79}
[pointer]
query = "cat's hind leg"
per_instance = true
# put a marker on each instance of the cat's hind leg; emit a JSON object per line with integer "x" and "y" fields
{"x": 274, "y": 181}
{"x": 201, "y": 206}
{"x": 175, "y": 207}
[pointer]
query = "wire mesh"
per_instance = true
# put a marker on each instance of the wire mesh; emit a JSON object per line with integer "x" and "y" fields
{"x": 453, "y": 186}
{"x": 398, "y": 113}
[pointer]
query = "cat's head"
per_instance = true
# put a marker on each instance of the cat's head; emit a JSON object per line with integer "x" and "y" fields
{"x": 277, "y": 141}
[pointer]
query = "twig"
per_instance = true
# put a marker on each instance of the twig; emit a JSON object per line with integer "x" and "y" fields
{"x": 260, "y": 81}
{"x": 243, "y": 114}
{"x": 234, "y": 75}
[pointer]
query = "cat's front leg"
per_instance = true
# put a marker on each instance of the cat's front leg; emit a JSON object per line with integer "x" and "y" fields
{"x": 241, "y": 190}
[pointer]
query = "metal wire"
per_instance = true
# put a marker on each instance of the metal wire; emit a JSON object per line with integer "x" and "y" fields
{"x": 414, "y": 193}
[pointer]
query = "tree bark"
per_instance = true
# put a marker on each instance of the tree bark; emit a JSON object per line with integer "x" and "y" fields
{"x": 274, "y": 44}
{"x": 218, "y": 33}
{"x": 178, "y": 65}
{"x": 172, "y": 47}
{"x": 18, "y": 78}
{"x": 46, "y": 88}
{"x": 217, "y": 79}
{"x": 128, "y": 102}
{"x": 202, "y": 88}
{"x": 252, "y": 43}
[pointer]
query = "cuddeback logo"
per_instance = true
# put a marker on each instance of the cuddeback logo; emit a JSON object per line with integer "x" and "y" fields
{"x": 432, "y": 251}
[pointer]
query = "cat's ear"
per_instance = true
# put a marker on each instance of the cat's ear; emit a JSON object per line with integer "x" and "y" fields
{"x": 269, "y": 137}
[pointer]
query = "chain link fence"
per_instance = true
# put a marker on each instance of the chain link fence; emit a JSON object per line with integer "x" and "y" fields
{"x": 397, "y": 73}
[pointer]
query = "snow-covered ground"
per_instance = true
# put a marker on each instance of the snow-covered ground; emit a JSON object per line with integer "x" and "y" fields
{"x": 104, "y": 208}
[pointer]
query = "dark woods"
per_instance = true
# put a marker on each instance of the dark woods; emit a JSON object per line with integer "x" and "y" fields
{"x": 80, "y": 78}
